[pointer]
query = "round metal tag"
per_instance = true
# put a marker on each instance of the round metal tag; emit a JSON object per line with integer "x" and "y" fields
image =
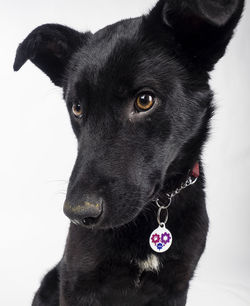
{"x": 161, "y": 239}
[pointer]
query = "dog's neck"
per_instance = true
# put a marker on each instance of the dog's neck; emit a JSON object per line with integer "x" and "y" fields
{"x": 183, "y": 181}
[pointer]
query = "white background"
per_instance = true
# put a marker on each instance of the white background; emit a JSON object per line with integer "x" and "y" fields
{"x": 38, "y": 151}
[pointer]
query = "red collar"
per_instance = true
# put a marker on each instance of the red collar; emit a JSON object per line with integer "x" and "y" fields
{"x": 196, "y": 170}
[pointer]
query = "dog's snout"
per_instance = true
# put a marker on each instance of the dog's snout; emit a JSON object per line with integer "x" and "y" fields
{"x": 86, "y": 212}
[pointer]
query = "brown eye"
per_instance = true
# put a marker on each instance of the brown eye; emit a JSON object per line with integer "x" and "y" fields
{"x": 144, "y": 102}
{"x": 77, "y": 110}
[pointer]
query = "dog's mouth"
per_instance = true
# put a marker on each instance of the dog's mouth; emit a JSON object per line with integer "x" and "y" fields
{"x": 154, "y": 192}
{"x": 85, "y": 221}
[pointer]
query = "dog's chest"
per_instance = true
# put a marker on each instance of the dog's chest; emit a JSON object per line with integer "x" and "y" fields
{"x": 150, "y": 264}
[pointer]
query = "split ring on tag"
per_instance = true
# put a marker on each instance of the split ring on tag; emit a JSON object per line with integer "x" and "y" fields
{"x": 162, "y": 208}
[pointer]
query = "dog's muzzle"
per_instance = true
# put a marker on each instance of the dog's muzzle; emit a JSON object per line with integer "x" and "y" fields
{"x": 86, "y": 213}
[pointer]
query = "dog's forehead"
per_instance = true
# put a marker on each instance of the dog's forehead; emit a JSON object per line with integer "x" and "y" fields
{"x": 119, "y": 57}
{"x": 104, "y": 46}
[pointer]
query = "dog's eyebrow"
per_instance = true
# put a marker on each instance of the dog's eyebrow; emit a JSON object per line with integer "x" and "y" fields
{"x": 66, "y": 93}
{"x": 71, "y": 90}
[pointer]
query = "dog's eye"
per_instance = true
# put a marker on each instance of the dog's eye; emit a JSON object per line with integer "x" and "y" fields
{"x": 77, "y": 110}
{"x": 144, "y": 102}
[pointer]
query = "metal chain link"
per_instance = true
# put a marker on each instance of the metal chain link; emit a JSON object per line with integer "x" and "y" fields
{"x": 187, "y": 183}
{"x": 190, "y": 181}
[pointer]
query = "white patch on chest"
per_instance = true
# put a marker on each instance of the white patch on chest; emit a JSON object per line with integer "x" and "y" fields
{"x": 152, "y": 263}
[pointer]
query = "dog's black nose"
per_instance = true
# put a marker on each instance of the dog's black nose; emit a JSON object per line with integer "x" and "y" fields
{"x": 86, "y": 212}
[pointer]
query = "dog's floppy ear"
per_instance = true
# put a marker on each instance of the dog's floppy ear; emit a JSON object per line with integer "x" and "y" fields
{"x": 50, "y": 47}
{"x": 201, "y": 28}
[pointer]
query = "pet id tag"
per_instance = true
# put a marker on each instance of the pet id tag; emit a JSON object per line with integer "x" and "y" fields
{"x": 161, "y": 239}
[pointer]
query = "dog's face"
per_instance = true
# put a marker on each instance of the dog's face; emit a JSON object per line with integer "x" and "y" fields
{"x": 137, "y": 95}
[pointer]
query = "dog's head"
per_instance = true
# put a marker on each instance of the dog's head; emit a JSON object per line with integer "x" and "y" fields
{"x": 138, "y": 98}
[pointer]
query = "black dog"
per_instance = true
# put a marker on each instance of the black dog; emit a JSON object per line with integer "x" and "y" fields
{"x": 139, "y": 102}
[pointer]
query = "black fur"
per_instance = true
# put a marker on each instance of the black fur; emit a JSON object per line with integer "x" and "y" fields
{"x": 125, "y": 157}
